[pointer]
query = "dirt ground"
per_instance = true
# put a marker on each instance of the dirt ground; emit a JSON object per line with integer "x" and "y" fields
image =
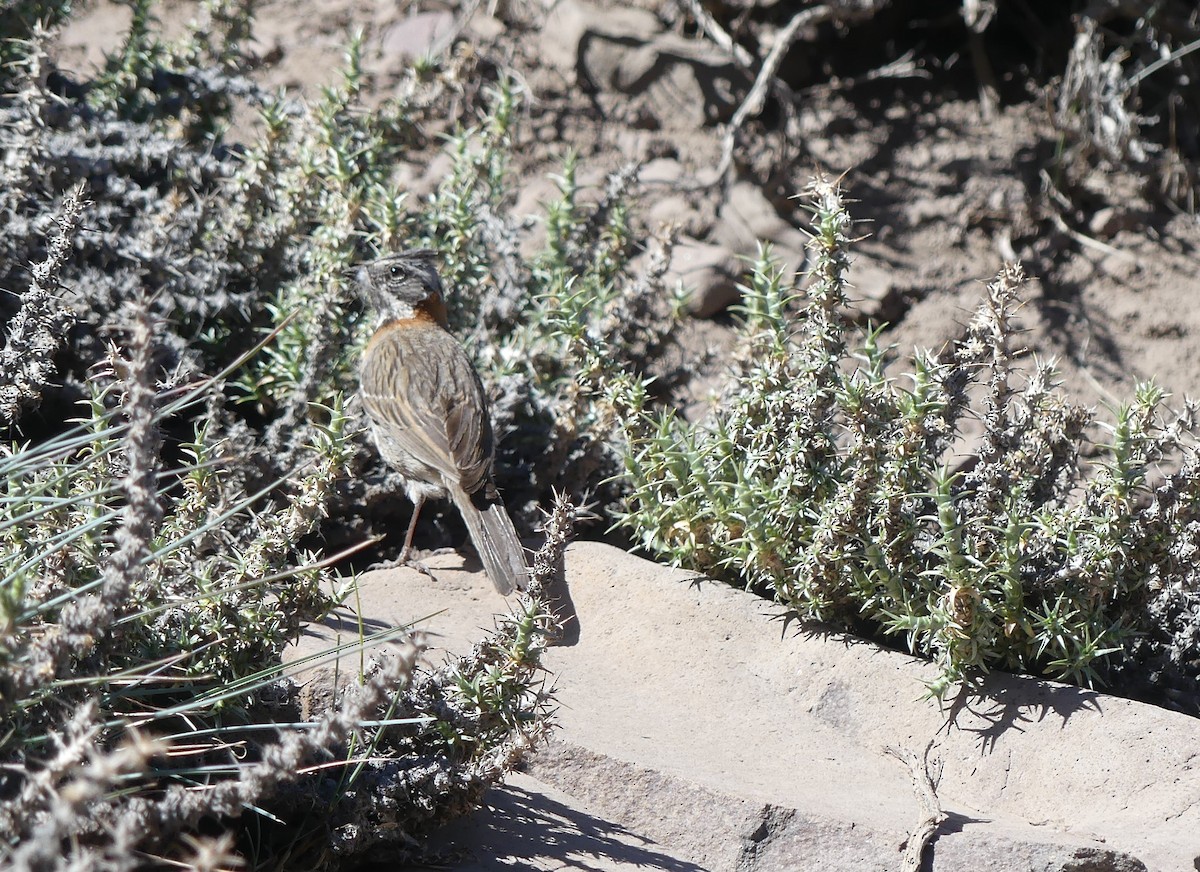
{"x": 945, "y": 189}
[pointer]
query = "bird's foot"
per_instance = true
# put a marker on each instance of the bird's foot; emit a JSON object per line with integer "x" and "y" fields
{"x": 403, "y": 561}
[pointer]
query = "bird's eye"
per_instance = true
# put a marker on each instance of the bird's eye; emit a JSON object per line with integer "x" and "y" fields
{"x": 395, "y": 271}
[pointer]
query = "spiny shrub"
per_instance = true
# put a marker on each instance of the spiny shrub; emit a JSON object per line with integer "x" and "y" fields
{"x": 1123, "y": 99}
{"x": 852, "y": 493}
{"x": 240, "y": 241}
{"x": 179, "y": 343}
{"x": 143, "y": 610}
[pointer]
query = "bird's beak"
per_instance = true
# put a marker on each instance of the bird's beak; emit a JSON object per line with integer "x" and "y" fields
{"x": 357, "y": 277}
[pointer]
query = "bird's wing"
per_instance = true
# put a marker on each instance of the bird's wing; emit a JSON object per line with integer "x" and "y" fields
{"x": 420, "y": 387}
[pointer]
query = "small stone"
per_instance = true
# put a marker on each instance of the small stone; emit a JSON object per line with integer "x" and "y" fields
{"x": 416, "y": 35}
{"x": 747, "y": 218}
{"x": 873, "y": 294}
{"x": 674, "y": 210}
{"x": 1109, "y": 221}
{"x": 710, "y": 272}
{"x": 661, "y": 169}
{"x": 485, "y": 27}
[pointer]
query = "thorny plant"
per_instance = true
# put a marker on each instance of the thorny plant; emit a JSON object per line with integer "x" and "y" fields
{"x": 161, "y": 551}
{"x": 853, "y": 494}
{"x": 1124, "y": 102}
{"x": 143, "y": 614}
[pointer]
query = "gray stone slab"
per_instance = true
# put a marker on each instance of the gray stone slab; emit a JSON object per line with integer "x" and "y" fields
{"x": 697, "y": 717}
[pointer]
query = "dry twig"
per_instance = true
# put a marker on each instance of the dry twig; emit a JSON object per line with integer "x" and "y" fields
{"x": 753, "y": 103}
{"x": 718, "y": 34}
{"x": 931, "y": 810}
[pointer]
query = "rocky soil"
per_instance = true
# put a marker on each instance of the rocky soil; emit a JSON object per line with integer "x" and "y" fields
{"x": 947, "y": 186}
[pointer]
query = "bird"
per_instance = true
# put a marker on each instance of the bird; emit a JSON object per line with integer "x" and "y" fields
{"x": 429, "y": 414}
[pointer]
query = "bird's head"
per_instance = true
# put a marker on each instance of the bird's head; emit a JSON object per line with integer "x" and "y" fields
{"x": 402, "y": 286}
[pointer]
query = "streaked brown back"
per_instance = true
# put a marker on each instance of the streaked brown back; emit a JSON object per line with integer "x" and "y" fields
{"x": 418, "y": 381}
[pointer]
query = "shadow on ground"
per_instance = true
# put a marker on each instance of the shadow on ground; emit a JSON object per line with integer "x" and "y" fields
{"x": 521, "y": 826}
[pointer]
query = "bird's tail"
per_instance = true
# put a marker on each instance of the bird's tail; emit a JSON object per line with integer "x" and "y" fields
{"x": 495, "y": 539}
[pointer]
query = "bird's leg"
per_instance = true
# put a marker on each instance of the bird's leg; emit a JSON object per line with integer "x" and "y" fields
{"x": 404, "y": 559}
{"x": 412, "y": 528}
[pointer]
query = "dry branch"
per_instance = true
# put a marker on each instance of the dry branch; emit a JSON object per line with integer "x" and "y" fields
{"x": 753, "y": 103}
{"x": 931, "y": 810}
{"x": 718, "y": 34}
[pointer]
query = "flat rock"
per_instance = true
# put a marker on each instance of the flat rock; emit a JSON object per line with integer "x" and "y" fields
{"x": 709, "y": 272}
{"x": 700, "y": 729}
{"x": 747, "y": 218}
{"x": 874, "y": 295}
{"x": 526, "y": 816}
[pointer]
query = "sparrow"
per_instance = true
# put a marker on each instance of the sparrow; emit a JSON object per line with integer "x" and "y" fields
{"x": 428, "y": 411}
